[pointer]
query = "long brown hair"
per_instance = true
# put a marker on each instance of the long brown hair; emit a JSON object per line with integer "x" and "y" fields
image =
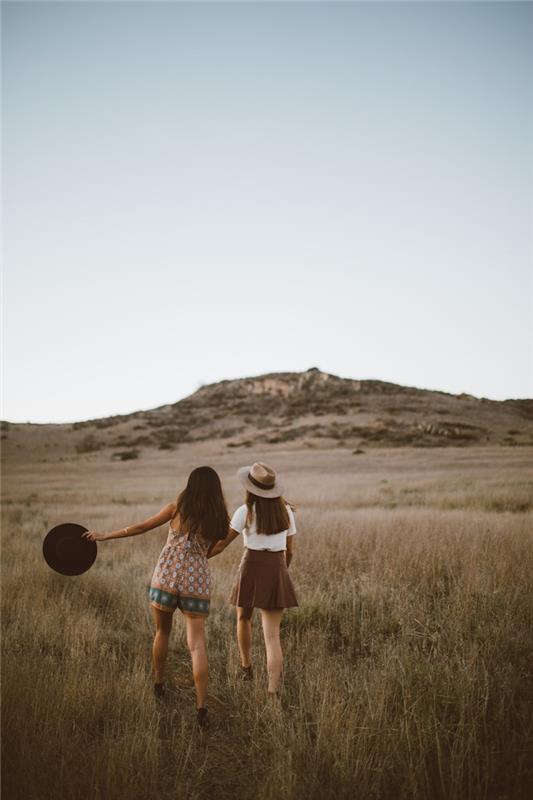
{"x": 271, "y": 513}
{"x": 201, "y": 506}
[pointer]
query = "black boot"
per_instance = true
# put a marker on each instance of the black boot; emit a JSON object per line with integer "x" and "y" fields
{"x": 202, "y": 717}
{"x": 247, "y": 673}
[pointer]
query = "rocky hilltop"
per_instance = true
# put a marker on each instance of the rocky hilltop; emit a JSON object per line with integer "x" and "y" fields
{"x": 307, "y": 409}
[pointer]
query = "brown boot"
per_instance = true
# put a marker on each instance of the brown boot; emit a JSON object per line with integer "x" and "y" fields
{"x": 202, "y": 717}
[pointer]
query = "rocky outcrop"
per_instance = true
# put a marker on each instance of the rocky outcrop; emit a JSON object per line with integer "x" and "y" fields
{"x": 301, "y": 409}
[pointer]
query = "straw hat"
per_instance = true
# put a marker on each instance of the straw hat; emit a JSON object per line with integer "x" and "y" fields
{"x": 67, "y": 551}
{"x": 260, "y": 479}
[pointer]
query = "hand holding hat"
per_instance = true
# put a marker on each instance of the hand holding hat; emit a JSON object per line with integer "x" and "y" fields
{"x": 95, "y": 536}
{"x": 71, "y": 549}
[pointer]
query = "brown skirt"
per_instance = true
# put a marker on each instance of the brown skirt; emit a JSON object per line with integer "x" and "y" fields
{"x": 263, "y": 581}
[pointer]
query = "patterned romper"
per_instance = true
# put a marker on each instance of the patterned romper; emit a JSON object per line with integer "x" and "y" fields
{"x": 181, "y": 578}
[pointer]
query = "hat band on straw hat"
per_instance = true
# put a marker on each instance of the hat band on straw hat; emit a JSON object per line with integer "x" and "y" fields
{"x": 260, "y": 485}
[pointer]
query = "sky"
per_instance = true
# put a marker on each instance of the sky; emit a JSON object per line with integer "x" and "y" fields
{"x": 201, "y": 191}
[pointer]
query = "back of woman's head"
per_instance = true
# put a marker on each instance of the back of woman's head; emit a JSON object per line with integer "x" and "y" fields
{"x": 201, "y": 506}
{"x": 271, "y": 514}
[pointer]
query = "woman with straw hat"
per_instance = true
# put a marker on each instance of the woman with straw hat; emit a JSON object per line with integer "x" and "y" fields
{"x": 267, "y": 524}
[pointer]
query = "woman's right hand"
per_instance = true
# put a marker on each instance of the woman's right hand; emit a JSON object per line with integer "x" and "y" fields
{"x": 95, "y": 536}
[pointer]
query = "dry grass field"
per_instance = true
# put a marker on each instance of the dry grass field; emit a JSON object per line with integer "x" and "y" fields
{"x": 408, "y": 664}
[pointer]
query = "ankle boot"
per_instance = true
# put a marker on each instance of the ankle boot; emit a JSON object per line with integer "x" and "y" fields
{"x": 202, "y": 717}
{"x": 159, "y": 690}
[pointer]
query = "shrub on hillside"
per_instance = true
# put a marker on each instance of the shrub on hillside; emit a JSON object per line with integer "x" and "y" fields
{"x": 127, "y": 455}
{"x": 89, "y": 444}
{"x": 76, "y": 426}
{"x": 107, "y": 422}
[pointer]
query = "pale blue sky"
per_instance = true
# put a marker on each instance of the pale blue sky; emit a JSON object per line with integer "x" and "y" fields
{"x": 198, "y": 191}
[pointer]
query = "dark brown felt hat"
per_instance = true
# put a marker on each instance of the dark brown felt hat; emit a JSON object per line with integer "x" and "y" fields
{"x": 66, "y": 550}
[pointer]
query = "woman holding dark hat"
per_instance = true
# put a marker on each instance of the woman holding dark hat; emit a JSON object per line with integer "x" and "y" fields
{"x": 267, "y": 524}
{"x": 181, "y": 578}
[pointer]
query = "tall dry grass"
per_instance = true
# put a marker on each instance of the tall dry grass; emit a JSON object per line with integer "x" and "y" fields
{"x": 408, "y": 664}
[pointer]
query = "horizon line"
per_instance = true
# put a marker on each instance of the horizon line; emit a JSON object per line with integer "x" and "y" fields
{"x": 251, "y": 377}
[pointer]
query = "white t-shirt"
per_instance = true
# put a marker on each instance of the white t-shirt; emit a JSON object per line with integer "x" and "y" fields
{"x": 261, "y": 541}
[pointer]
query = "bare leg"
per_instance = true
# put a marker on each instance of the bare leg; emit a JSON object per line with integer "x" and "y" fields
{"x": 271, "y": 619}
{"x": 196, "y": 645}
{"x": 244, "y": 634}
{"x": 163, "y": 626}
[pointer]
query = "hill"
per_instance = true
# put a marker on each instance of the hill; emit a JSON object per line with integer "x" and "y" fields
{"x": 311, "y": 409}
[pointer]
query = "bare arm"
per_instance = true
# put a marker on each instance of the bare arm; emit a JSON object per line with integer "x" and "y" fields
{"x": 165, "y": 515}
{"x": 221, "y": 545}
{"x": 290, "y": 550}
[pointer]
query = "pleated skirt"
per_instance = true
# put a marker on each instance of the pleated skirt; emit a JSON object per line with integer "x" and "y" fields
{"x": 263, "y": 581}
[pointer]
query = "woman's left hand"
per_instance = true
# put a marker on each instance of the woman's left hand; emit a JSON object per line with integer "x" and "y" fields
{"x": 95, "y": 536}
